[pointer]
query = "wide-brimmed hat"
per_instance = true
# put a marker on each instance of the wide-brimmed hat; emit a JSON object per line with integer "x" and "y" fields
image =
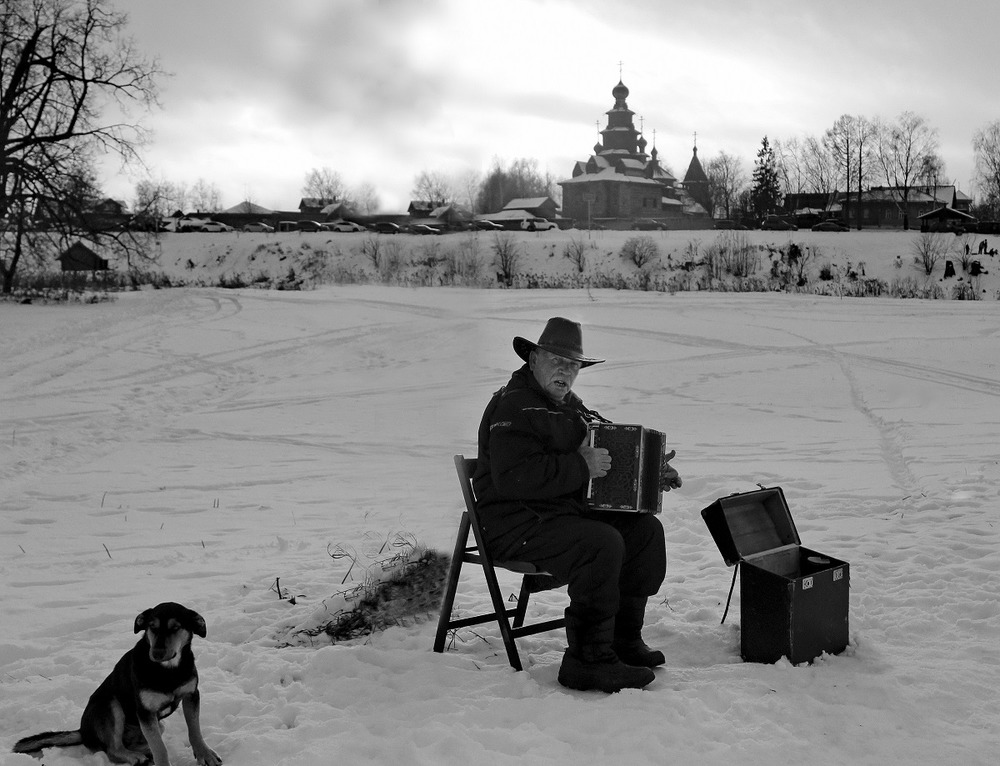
{"x": 562, "y": 337}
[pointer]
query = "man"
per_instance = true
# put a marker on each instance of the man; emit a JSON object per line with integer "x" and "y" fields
{"x": 532, "y": 472}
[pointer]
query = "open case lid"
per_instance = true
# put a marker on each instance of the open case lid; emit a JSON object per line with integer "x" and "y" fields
{"x": 748, "y": 523}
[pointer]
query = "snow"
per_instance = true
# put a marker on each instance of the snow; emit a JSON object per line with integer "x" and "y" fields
{"x": 212, "y": 447}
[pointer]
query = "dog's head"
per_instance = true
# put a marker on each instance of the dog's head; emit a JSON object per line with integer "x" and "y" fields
{"x": 169, "y": 628}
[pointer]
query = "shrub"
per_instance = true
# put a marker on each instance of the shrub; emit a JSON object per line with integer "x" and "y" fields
{"x": 508, "y": 255}
{"x": 735, "y": 254}
{"x": 641, "y": 251}
{"x": 967, "y": 291}
{"x": 463, "y": 264}
{"x": 908, "y": 287}
{"x": 576, "y": 251}
{"x": 929, "y": 248}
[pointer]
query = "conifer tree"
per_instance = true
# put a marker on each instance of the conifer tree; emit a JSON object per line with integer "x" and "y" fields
{"x": 765, "y": 194}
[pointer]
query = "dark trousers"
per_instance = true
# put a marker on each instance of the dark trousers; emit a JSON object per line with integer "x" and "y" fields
{"x": 602, "y": 557}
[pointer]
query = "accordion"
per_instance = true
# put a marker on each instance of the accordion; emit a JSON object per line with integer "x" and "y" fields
{"x": 633, "y": 483}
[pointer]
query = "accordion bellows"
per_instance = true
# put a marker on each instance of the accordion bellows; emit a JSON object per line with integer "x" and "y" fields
{"x": 633, "y": 483}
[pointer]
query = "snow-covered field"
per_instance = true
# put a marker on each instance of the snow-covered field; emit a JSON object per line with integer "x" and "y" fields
{"x": 215, "y": 447}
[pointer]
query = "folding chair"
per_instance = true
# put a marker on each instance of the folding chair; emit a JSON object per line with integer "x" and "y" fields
{"x": 477, "y": 554}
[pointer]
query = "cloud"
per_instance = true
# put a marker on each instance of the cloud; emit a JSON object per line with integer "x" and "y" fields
{"x": 382, "y": 89}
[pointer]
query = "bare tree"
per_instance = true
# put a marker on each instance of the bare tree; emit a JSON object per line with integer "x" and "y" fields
{"x": 851, "y": 143}
{"x": 364, "y": 199}
{"x": 466, "y": 185}
{"x": 503, "y": 182}
{"x": 153, "y": 201}
{"x": 986, "y": 145}
{"x": 928, "y": 249}
{"x": 61, "y": 61}
{"x": 788, "y": 157}
{"x": 433, "y": 187}
{"x": 819, "y": 168}
{"x": 903, "y": 149}
{"x": 206, "y": 197}
{"x": 324, "y": 183}
{"x": 865, "y": 144}
{"x": 726, "y": 178}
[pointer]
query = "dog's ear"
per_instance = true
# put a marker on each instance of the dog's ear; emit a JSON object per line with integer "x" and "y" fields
{"x": 196, "y": 623}
{"x": 142, "y": 620}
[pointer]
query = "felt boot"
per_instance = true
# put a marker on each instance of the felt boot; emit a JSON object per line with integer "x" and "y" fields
{"x": 590, "y": 663}
{"x": 628, "y": 643}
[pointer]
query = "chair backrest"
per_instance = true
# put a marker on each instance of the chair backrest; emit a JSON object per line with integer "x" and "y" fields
{"x": 466, "y": 467}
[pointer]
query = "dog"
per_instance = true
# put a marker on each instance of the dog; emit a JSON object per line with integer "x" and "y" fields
{"x": 123, "y": 716}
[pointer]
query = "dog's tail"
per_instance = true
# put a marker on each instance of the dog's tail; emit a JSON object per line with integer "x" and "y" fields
{"x": 34, "y": 745}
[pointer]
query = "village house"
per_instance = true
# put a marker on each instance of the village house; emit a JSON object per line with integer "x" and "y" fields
{"x": 880, "y": 206}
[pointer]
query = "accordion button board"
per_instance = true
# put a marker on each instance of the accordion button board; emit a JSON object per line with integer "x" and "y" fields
{"x": 633, "y": 482}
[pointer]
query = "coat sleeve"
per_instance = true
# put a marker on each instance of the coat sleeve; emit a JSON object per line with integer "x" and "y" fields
{"x": 525, "y": 464}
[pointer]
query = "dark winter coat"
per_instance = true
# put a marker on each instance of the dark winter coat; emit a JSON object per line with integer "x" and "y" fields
{"x": 528, "y": 451}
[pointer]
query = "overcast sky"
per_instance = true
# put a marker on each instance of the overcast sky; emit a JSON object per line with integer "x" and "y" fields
{"x": 262, "y": 91}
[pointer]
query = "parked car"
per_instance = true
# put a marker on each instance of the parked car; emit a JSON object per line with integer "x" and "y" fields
{"x": 830, "y": 224}
{"x": 187, "y": 223}
{"x": 487, "y": 226}
{"x": 777, "y": 223}
{"x": 725, "y": 223}
{"x": 215, "y": 226}
{"x": 423, "y": 228}
{"x": 310, "y": 226}
{"x": 648, "y": 224}
{"x": 384, "y": 227}
{"x": 259, "y": 226}
{"x": 344, "y": 226}
{"x": 537, "y": 224}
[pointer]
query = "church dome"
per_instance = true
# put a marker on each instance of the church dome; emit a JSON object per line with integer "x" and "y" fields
{"x": 598, "y": 148}
{"x": 642, "y": 144}
{"x": 620, "y": 92}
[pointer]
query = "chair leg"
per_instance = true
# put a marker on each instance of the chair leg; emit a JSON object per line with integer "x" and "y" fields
{"x": 451, "y": 588}
{"x": 501, "y": 614}
{"x": 522, "y": 603}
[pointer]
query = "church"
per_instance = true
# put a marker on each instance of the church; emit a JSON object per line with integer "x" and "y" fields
{"x": 620, "y": 185}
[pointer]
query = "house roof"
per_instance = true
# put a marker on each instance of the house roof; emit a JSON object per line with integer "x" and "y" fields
{"x": 527, "y": 203}
{"x": 315, "y": 202}
{"x": 945, "y": 212}
{"x": 80, "y": 257}
{"x": 506, "y": 214}
{"x": 249, "y": 208}
{"x": 422, "y": 206}
{"x": 333, "y": 207}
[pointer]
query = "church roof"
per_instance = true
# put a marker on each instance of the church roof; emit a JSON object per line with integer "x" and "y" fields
{"x": 631, "y": 167}
{"x": 610, "y": 174}
{"x": 695, "y": 172}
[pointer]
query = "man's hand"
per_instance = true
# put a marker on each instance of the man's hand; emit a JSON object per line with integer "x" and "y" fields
{"x": 598, "y": 460}
{"x": 669, "y": 478}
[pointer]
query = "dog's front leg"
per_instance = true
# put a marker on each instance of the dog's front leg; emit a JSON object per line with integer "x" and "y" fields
{"x": 192, "y": 716}
{"x": 150, "y": 726}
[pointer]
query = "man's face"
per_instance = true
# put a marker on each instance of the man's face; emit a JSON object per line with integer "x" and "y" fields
{"x": 555, "y": 374}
